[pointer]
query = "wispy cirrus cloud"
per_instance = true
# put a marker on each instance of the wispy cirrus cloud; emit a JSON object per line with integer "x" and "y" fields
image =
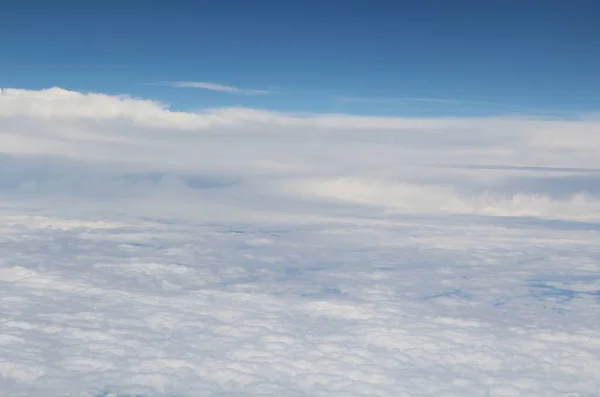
{"x": 450, "y": 102}
{"x": 361, "y": 99}
{"x": 204, "y": 85}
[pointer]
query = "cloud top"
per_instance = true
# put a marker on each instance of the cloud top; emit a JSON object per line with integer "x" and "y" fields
{"x": 497, "y": 166}
{"x": 244, "y": 252}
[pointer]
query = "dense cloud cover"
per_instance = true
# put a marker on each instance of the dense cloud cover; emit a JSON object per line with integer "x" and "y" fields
{"x": 486, "y": 166}
{"x": 254, "y": 253}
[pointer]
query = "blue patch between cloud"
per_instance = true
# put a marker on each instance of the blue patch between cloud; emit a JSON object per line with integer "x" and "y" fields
{"x": 541, "y": 290}
{"x": 456, "y": 293}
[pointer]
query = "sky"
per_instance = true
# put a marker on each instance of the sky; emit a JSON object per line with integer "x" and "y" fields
{"x": 387, "y": 57}
{"x": 299, "y": 200}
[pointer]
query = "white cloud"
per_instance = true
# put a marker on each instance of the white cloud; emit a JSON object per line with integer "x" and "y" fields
{"x": 216, "y": 87}
{"x": 440, "y": 199}
{"x": 245, "y": 252}
{"x": 271, "y": 153}
{"x": 178, "y": 309}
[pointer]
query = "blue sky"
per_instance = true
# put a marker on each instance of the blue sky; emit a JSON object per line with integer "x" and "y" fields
{"x": 320, "y": 56}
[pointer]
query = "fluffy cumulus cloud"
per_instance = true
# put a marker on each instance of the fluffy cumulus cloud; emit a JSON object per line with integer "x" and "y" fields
{"x": 247, "y": 252}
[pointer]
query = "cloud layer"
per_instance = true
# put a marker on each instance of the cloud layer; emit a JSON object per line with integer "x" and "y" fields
{"x": 242, "y": 252}
{"x": 484, "y": 166}
{"x": 420, "y": 308}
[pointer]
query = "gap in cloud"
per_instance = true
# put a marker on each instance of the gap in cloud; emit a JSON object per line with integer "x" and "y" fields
{"x": 566, "y": 286}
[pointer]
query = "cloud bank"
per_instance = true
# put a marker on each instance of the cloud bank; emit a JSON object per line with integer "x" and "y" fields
{"x": 242, "y": 252}
{"x": 483, "y": 166}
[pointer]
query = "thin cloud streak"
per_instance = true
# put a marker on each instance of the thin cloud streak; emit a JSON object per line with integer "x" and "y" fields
{"x": 448, "y": 101}
{"x": 216, "y": 87}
